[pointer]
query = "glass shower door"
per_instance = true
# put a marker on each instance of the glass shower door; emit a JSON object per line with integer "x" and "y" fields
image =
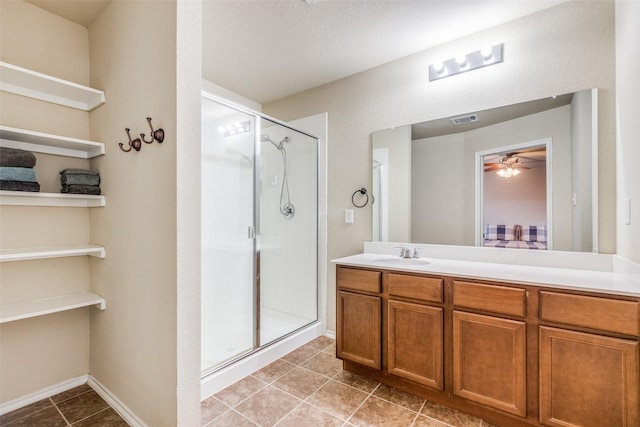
{"x": 287, "y": 207}
{"x": 228, "y": 253}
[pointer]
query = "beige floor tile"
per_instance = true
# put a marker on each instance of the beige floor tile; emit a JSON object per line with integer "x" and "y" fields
{"x": 380, "y": 413}
{"x": 306, "y": 415}
{"x": 231, "y": 418}
{"x": 273, "y": 371}
{"x": 301, "y": 382}
{"x": 423, "y": 421}
{"x": 320, "y": 343}
{"x": 267, "y": 406}
{"x": 300, "y": 355}
{"x": 239, "y": 391}
{"x": 210, "y": 409}
{"x": 325, "y": 364}
{"x": 361, "y": 383}
{"x": 399, "y": 397}
{"x": 49, "y": 417}
{"x": 450, "y": 416}
{"x": 337, "y": 399}
{"x": 106, "y": 418}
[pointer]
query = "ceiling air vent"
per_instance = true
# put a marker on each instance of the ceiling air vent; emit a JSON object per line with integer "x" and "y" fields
{"x": 463, "y": 120}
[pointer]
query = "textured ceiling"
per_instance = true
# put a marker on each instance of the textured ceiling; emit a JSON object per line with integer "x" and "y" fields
{"x": 268, "y": 49}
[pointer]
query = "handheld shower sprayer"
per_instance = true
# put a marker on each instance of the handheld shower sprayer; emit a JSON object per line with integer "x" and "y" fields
{"x": 286, "y": 208}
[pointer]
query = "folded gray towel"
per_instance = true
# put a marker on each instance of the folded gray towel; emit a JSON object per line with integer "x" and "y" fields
{"x": 80, "y": 179}
{"x": 81, "y": 189}
{"x": 71, "y": 171}
{"x": 10, "y": 173}
{"x": 17, "y": 158}
{"x": 33, "y": 187}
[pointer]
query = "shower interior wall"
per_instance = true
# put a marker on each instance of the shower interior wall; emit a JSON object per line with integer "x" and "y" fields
{"x": 288, "y": 247}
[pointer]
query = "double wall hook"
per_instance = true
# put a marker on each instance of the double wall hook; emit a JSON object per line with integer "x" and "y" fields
{"x": 156, "y": 135}
{"x": 136, "y": 144}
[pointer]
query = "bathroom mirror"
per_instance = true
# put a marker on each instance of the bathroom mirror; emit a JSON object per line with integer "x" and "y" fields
{"x": 427, "y": 178}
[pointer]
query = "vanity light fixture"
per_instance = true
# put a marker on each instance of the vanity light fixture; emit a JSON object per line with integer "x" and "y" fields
{"x": 235, "y": 128}
{"x": 488, "y": 55}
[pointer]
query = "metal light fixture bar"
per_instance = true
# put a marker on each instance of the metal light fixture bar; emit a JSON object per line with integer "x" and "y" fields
{"x": 484, "y": 57}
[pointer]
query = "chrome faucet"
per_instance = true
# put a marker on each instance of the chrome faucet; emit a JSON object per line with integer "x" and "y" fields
{"x": 404, "y": 252}
{"x": 416, "y": 254}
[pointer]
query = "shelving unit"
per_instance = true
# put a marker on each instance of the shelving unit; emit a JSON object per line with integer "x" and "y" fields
{"x": 33, "y": 84}
{"x": 40, "y": 307}
{"x": 46, "y": 88}
{"x": 26, "y": 254}
{"x": 25, "y": 198}
{"x": 51, "y": 144}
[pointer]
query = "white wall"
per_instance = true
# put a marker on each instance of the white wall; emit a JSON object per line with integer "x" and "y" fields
{"x": 562, "y": 49}
{"x": 398, "y": 143}
{"x": 43, "y": 351}
{"x": 518, "y": 200}
{"x": 134, "y": 343}
{"x": 628, "y": 125}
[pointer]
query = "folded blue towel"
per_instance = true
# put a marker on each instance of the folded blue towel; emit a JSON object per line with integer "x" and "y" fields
{"x": 8, "y": 173}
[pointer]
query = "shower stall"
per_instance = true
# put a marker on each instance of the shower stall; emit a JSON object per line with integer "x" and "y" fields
{"x": 259, "y": 232}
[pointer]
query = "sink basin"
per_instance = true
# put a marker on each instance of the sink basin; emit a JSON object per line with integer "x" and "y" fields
{"x": 401, "y": 261}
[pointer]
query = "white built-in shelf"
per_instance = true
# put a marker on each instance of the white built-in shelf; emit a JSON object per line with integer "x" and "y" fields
{"x": 48, "y": 143}
{"x": 41, "y": 307}
{"x": 33, "y": 84}
{"x": 28, "y": 198}
{"x": 26, "y": 254}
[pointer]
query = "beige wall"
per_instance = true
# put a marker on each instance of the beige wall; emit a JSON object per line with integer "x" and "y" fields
{"x": 628, "y": 131}
{"x": 43, "y": 351}
{"x": 134, "y": 341}
{"x": 563, "y": 49}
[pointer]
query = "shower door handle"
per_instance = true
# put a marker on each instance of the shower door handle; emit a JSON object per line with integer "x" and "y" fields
{"x": 251, "y": 232}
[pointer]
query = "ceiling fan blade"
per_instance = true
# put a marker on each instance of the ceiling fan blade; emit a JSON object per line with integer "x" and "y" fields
{"x": 519, "y": 166}
{"x": 491, "y": 167}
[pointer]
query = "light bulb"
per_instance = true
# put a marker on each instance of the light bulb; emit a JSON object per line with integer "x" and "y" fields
{"x": 486, "y": 52}
{"x": 438, "y": 66}
{"x": 461, "y": 60}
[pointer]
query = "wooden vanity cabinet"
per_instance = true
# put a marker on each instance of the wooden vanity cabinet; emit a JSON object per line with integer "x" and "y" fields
{"x": 359, "y": 317}
{"x": 415, "y": 329}
{"x": 513, "y": 355}
{"x": 588, "y": 378}
{"x": 490, "y": 352}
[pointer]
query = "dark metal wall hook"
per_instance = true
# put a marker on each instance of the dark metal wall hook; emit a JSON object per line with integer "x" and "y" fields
{"x": 156, "y": 135}
{"x": 135, "y": 144}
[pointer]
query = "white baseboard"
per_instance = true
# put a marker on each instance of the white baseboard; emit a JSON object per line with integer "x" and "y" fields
{"x": 46, "y": 392}
{"x": 115, "y": 403}
{"x": 330, "y": 334}
{"x": 63, "y": 386}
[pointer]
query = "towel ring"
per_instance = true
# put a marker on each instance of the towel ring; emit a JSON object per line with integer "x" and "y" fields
{"x": 361, "y": 201}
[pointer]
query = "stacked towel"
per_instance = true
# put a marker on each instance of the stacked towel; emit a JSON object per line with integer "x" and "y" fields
{"x": 16, "y": 170}
{"x": 80, "y": 181}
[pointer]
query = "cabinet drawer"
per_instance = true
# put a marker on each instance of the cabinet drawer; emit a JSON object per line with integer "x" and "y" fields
{"x": 422, "y": 288}
{"x": 590, "y": 312}
{"x": 358, "y": 280}
{"x": 496, "y": 299}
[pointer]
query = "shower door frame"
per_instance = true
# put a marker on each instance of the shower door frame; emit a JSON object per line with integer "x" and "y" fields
{"x": 254, "y": 230}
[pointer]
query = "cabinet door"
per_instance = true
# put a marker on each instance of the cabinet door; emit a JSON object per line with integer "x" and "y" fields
{"x": 416, "y": 343}
{"x": 359, "y": 329}
{"x": 587, "y": 380}
{"x": 489, "y": 361}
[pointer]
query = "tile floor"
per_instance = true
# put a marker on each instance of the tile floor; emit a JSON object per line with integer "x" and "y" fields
{"x": 308, "y": 387}
{"x": 78, "y": 407}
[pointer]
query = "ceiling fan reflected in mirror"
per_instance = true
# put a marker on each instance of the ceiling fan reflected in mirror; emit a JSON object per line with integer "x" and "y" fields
{"x": 508, "y": 165}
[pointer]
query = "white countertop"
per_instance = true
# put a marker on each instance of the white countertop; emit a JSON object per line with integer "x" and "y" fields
{"x": 565, "y": 278}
